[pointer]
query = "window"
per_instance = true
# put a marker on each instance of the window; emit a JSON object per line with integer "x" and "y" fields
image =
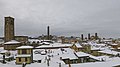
{"x": 74, "y": 61}
{"x": 19, "y": 59}
{"x": 24, "y": 51}
{"x": 26, "y": 59}
{"x": 82, "y": 60}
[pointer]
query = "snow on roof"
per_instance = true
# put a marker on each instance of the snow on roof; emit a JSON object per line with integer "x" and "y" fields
{"x": 66, "y": 45}
{"x": 116, "y": 65}
{"x": 45, "y": 43}
{"x": 114, "y": 44}
{"x": 85, "y": 43}
{"x": 107, "y": 40}
{"x": 9, "y": 65}
{"x": 109, "y": 52}
{"x": 113, "y": 62}
{"x": 69, "y": 55}
{"x": 118, "y": 48}
{"x": 96, "y": 44}
{"x": 24, "y": 47}
{"x": 81, "y": 54}
{"x": 34, "y": 40}
{"x": 59, "y": 44}
{"x": 101, "y": 44}
{"x": 60, "y": 51}
{"x": 43, "y": 46}
{"x": 55, "y": 60}
{"x": 3, "y": 51}
{"x": 51, "y": 64}
{"x": 24, "y": 55}
{"x": 38, "y": 57}
{"x": 69, "y": 50}
{"x": 46, "y": 40}
{"x": 78, "y": 45}
{"x": 97, "y": 48}
{"x": 57, "y": 51}
{"x": 99, "y": 58}
{"x": 1, "y": 48}
{"x": 12, "y": 42}
{"x": 54, "y": 45}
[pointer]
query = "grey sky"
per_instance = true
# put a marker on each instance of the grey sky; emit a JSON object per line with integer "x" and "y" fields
{"x": 65, "y": 17}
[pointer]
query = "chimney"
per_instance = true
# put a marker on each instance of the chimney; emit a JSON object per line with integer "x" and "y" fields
{"x": 89, "y": 36}
{"x": 82, "y": 37}
{"x": 96, "y": 36}
{"x": 48, "y": 33}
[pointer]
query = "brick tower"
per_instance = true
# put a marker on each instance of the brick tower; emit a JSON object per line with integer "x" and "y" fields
{"x": 9, "y": 29}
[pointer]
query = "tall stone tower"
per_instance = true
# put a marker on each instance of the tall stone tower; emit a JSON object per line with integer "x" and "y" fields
{"x": 9, "y": 29}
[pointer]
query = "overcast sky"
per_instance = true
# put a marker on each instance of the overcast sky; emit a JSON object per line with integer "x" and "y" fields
{"x": 65, "y": 17}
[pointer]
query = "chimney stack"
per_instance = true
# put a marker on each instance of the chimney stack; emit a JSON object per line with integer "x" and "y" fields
{"x": 89, "y": 36}
{"x": 96, "y": 36}
{"x": 82, "y": 37}
{"x": 48, "y": 33}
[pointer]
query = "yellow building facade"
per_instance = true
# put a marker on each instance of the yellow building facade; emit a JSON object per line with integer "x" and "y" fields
{"x": 25, "y": 55}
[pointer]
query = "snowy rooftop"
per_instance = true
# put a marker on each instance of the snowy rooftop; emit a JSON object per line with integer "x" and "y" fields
{"x": 9, "y": 65}
{"x": 115, "y": 61}
{"x": 81, "y": 54}
{"x": 23, "y": 55}
{"x": 109, "y": 52}
{"x": 3, "y": 51}
{"x": 78, "y": 45}
{"x": 54, "y": 45}
{"x": 98, "y": 48}
{"x": 99, "y": 58}
{"x": 107, "y": 40}
{"x": 24, "y": 47}
{"x": 114, "y": 44}
{"x": 34, "y": 40}
{"x": 38, "y": 56}
{"x": 69, "y": 55}
{"x": 95, "y": 44}
{"x": 12, "y": 42}
{"x": 45, "y": 43}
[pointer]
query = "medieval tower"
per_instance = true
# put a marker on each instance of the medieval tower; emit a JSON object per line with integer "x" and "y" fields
{"x": 9, "y": 29}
